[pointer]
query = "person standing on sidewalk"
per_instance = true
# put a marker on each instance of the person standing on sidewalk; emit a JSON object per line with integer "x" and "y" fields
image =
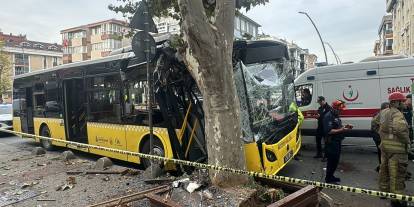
{"x": 394, "y": 147}
{"x": 375, "y": 126}
{"x": 333, "y": 133}
{"x": 322, "y": 110}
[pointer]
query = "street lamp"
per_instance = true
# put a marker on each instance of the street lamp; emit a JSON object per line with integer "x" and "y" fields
{"x": 323, "y": 45}
{"x": 338, "y": 60}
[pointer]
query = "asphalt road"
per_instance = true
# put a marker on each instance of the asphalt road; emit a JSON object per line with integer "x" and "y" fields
{"x": 356, "y": 168}
{"x": 358, "y": 161}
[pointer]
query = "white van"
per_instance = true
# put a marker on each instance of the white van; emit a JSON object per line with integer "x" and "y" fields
{"x": 363, "y": 86}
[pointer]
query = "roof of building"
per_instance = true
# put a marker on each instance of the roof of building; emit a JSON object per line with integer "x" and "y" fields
{"x": 385, "y": 19}
{"x": 248, "y": 19}
{"x": 20, "y": 41}
{"x": 84, "y": 27}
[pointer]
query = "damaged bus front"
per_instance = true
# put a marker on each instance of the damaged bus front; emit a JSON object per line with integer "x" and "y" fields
{"x": 269, "y": 116}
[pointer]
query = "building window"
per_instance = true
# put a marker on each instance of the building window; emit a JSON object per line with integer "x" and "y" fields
{"x": 243, "y": 25}
{"x": 97, "y": 46}
{"x": 237, "y": 22}
{"x": 250, "y": 29}
{"x": 388, "y": 44}
{"x": 44, "y": 62}
{"x": 80, "y": 34}
{"x": 52, "y": 48}
{"x": 79, "y": 49}
{"x": 25, "y": 44}
{"x": 96, "y": 30}
{"x": 38, "y": 45}
{"x": 55, "y": 61}
{"x": 21, "y": 62}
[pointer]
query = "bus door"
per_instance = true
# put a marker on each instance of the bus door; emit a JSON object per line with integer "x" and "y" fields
{"x": 26, "y": 115}
{"x": 75, "y": 110}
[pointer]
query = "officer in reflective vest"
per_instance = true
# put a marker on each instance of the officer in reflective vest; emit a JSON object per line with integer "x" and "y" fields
{"x": 394, "y": 147}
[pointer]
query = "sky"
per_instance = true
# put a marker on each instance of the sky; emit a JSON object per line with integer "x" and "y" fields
{"x": 350, "y": 26}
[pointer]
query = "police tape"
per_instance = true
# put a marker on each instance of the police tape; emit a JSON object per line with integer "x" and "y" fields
{"x": 285, "y": 179}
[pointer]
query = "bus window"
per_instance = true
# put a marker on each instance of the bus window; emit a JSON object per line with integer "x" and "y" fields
{"x": 135, "y": 96}
{"x": 104, "y": 99}
{"x": 52, "y": 107}
{"x": 304, "y": 94}
{"x": 39, "y": 100}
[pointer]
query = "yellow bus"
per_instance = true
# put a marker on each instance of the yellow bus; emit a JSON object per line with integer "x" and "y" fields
{"x": 103, "y": 102}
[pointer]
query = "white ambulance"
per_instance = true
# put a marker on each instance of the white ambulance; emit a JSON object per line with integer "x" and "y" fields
{"x": 363, "y": 86}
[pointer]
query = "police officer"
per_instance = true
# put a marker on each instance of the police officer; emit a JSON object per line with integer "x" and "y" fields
{"x": 394, "y": 147}
{"x": 408, "y": 114}
{"x": 333, "y": 133}
{"x": 322, "y": 110}
{"x": 375, "y": 125}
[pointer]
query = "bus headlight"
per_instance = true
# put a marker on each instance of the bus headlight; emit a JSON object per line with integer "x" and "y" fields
{"x": 270, "y": 156}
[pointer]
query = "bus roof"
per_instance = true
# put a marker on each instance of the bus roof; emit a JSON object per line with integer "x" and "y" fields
{"x": 78, "y": 64}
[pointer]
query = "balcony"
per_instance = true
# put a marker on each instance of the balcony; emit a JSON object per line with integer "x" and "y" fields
{"x": 111, "y": 36}
{"x": 79, "y": 42}
{"x": 390, "y": 5}
{"x": 67, "y": 58}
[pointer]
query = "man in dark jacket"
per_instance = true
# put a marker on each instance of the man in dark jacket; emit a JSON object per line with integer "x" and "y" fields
{"x": 333, "y": 133}
{"x": 408, "y": 114}
{"x": 323, "y": 109}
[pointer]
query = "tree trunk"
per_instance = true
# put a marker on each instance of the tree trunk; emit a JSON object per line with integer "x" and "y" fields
{"x": 209, "y": 58}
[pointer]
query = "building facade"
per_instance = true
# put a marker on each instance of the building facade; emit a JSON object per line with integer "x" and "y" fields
{"x": 300, "y": 59}
{"x": 402, "y": 12}
{"x": 27, "y": 55}
{"x": 92, "y": 41}
{"x": 384, "y": 46}
{"x": 244, "y": 27}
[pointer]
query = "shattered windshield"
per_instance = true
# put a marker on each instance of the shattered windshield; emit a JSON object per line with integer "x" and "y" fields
{"x": 269, "y": 91}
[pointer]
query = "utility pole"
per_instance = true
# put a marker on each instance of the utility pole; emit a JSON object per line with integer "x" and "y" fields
{"x": 149, "y": 78}
{"x": 338, "y": 60}
{"x": 314, "y": 25}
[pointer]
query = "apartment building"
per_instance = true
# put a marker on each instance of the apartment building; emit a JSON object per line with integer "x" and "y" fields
{"x": 300, "y": 59}
{"x": 27, "y": 55}
{"x": 244, "y": 27}
{"x": 386, "y": 37}
{"x": 92, "y": 41}
{"x": 402, "y": 12}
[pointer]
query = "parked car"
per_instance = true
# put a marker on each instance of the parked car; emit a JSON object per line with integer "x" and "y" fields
{"x": 6, "y": 116}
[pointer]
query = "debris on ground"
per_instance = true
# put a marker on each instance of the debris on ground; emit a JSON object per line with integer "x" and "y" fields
{"x": 64, "y": 187}
{"x": 71, "y": 180}
{"x": 192, "y": 186}
{"x": 122, "y": 172}
{"x": 68, "y": 155}
{"x": 38, "y": 151}
{"x": 103, "y": 163}
{"x": 159, "y": 181}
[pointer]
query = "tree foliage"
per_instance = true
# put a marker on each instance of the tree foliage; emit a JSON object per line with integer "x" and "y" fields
{"x": 165, "y": 8}
{"x": 5, "y": 71}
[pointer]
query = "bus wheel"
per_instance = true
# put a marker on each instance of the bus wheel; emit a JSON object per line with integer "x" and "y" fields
{"x": 47, "y": 144}
{"x": 158, "y": 150}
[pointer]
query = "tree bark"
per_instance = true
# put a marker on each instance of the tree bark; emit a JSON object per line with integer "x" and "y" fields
{"x": 209, "y": 58}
